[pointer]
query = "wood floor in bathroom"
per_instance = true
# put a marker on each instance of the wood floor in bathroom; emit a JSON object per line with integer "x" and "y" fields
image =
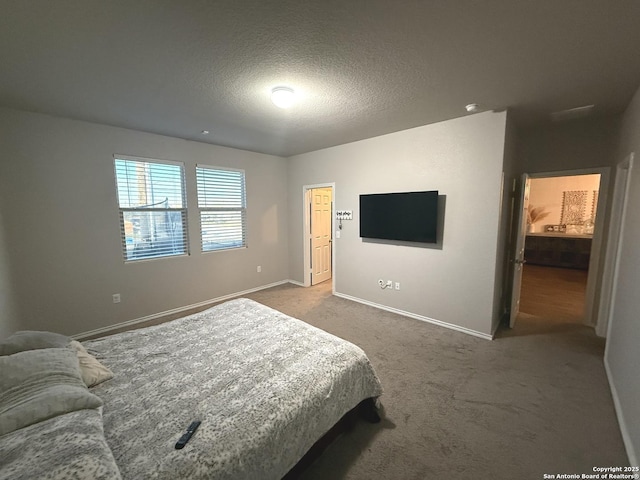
{"x": 553, "y": 294}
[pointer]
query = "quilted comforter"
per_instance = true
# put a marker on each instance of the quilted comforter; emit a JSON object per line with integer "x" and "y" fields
{"x": 69, "y": 446}
{"x": 264, "y": 385}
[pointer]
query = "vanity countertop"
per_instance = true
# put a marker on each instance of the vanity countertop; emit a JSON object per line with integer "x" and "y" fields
{"x": 558, "y": 235}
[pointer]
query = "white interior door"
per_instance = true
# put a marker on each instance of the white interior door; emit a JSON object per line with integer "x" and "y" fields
{"x": 320, "y": 234}
{"x": 518, "y": 258}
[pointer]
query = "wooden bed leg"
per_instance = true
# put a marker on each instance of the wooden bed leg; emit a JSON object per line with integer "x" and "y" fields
{"x": 368, "y": 411}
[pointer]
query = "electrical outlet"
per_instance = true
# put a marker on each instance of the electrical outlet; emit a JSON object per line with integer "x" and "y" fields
{"x": 259, "y": 269}
{"x": 389, "y": 283}
{"x": 116, "y": 298}
{"x": 397, "y": 285}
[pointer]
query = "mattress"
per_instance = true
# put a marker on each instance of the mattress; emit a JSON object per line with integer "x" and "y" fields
{"x": 264, "y": 385}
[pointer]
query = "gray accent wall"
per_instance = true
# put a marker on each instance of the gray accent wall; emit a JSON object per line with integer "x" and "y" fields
{"x": 62, "y": 230}
{"x": 571, "y": 145}
{"x": 575, "y": 145}
{"x": 622, "y": 354}
{"x": 8, "y": 313}
{"x": 453, "y": 282}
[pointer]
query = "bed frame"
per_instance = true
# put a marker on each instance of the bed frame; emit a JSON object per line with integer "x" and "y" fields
{"x": 366, "y": 410}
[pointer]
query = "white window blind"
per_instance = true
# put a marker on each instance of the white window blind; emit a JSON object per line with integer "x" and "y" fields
{"x": 153, "y": 214}
{"x": 222, "y": 204}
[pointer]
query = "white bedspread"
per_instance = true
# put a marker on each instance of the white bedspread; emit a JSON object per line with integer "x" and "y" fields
{"x": 265, "y": 386}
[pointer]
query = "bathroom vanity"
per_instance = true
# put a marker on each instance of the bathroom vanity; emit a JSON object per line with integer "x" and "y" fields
{"x": 558, "y": 250}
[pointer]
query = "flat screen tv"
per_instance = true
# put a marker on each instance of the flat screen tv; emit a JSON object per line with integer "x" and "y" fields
{"x": 407, "y": 216}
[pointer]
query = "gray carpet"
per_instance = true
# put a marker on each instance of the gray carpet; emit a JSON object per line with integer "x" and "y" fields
{"x": 533, "y": 401}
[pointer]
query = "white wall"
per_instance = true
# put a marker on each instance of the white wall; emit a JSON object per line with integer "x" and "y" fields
{"x": 62, "y": 227}
{"x": 461, "y": 158}
{"x": 622, "y": 354}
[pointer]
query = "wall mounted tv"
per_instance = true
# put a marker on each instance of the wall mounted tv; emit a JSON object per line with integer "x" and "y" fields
{"x": 407, "y": 216}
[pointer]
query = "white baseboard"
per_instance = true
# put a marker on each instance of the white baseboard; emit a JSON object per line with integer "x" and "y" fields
{"x": 155, "y": 316}
{"x": 300, "y": 284}
{"x": 450, "y": 326}
{"x": 626, "y": 437}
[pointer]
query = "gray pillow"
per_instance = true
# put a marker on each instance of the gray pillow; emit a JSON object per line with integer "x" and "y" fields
{"x": 39, "y": 384}
{"x": 32, "y": 340}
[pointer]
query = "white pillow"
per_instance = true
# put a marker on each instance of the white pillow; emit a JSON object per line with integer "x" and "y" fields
{"x": 39, "y": 384}
{"x": 92, "y": 371}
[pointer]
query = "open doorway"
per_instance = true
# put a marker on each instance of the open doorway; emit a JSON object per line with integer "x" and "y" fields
{"x": 562, "y": 212}
{"x": 557, "y": 267}
{"x": 318, "y": 227}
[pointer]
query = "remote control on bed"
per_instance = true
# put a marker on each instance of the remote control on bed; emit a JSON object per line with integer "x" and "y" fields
{"x": 185, "y": 438}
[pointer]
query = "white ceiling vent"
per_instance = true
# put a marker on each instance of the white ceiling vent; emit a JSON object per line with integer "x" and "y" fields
{"x": 571, "y": 113}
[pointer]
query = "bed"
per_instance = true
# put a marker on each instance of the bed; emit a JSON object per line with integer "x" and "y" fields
{"x": 264, "y": 385}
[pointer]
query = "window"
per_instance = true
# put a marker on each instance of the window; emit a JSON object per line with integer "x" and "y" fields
{"x": 153, "y": 214}
{"x": 222, "y": 204}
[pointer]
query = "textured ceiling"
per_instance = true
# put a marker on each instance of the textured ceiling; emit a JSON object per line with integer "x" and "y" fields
{"x": 362, "y": 67}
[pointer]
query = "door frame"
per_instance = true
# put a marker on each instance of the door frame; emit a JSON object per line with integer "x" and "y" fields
{"x": 614, "y": 242}
{"x": 521, "y": 202}
{"x": 306, "y": 245}
{"x": 591, "y": 316}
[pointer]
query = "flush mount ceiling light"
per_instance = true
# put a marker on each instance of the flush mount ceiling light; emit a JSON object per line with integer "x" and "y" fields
{"x": 283, "y": 97}
{"x": 471, "y": 108}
